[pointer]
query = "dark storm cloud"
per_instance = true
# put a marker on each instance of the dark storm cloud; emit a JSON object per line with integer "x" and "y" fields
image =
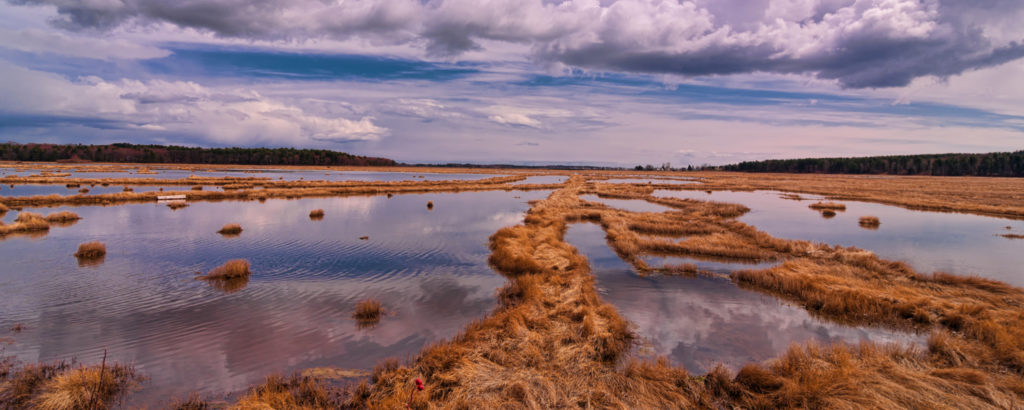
{"x": 859, "y": 43}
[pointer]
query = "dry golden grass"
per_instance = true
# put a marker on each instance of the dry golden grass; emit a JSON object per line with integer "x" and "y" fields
{"x": 316, "y": 214}
{"x": 3, "y": 208}
{"x": 553, "y": 343}
{"x": 25, "y": 223}
{"x": 62, "y": 217}
{"x": 368, "y": 312}
{"x": 294, "y": 392}
{"x": 831, "y": 206}
{"x": 230, "y": 230}
{"x": 193, "y": 402}
{"x": 235, "y": 268}
{"x": 870, "y": 222}
{"x": 91, "y": 250}
{"x": 59, "y": 386}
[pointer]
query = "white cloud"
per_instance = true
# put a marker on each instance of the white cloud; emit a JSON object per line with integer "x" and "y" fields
{"x": 226, "y": 116}
{"x": 43, "y": 41}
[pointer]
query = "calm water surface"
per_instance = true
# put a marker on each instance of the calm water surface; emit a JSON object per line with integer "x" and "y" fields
{"x": 962, "y": 244}
{"x": 699, "y": 322}
{"x": 428, "y": 268}
{"x": 276, "y": 174}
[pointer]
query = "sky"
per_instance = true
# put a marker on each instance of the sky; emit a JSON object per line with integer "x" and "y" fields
{"x": 596, "y": 82}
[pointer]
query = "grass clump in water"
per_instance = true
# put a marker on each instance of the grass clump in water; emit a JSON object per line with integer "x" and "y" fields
{"x": 869, "y": 222}
{"x": 235, "y": 268}
{"x": 91, "y": 250}
{"x": 827, "y": 205}
{"x": 368, "y": 312}
{"x": 316, "y": 214}
{"x": 62, "y": 217}
{"x": 230, "y": 230}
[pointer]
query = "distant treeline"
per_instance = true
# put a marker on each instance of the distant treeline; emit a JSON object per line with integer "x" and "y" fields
{"x": 1002, "y": 164}
{"x": 124, "y": 152}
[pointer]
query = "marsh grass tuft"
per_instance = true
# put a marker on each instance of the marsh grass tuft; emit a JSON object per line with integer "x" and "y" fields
{"x": 176, "y": 205}
{"x": 1012, "y": 236}
{"x": 128, "y": 189}
{"x": 91, "y": 252}
{"x": 60, "y": 385}
{"x": 62, "y": 217}
{"x": 430, "y": 205}
{"x": 193, "y": 402}
{"x": 83, "y": 191}
{"x": 368, "y": 313}
{"x": 316, "y": 214}
{"x": 26, "y": 223}
{"x": 235, "y": 268}
{"x": 828, "y": 213}
{"x": 827, "y": 205}
{"x": 230, "y": 230}
{"x": 869, "y": 222}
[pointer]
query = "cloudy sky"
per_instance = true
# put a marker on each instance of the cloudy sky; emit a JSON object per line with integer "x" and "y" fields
{"x": 527, "y": 81}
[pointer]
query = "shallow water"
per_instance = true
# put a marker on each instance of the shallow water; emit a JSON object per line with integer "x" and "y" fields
{"x": 632, "y": 205}
{"x": 50, "y": 189}
{"x": 962, "y": 244}
{"x": 648, "y": 181}
{"x": 699, "y": 322}
{"x": 544, "y": 179}
{"x": 275, "y": 174}
{"x": 428, "y": 268}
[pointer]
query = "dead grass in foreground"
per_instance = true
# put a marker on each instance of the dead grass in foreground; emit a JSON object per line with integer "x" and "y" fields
{"x": 61, "y": 385}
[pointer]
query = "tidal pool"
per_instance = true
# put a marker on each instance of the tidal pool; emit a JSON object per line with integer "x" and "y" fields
{"x": 144, "y": 305}
{"x": 961, "y": 244}
{"x": 631, "y": 205}
{"x": 700, "y": 322}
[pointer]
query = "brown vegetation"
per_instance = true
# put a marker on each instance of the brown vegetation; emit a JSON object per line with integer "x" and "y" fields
{"x": 176, "y": 205}
{"x": 60, "y": 385}
{"x": 25, "y": 223}
{"x": 368, "y": 312}
{"x": 316, "y": 214}
{"x": 828, "y": 213}
{"x": 831, "y": 206}
{"x": 235, "y": 268}
{"x": 91, "y": 250}
{"x": 1012, "y": 236}
{"x": 62, "y": 217}
{"x": 430, "y": 205}
{"x": 230, "y": 230}
{"x": 869, "y": 222}
{"x": 555, "y": 344}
